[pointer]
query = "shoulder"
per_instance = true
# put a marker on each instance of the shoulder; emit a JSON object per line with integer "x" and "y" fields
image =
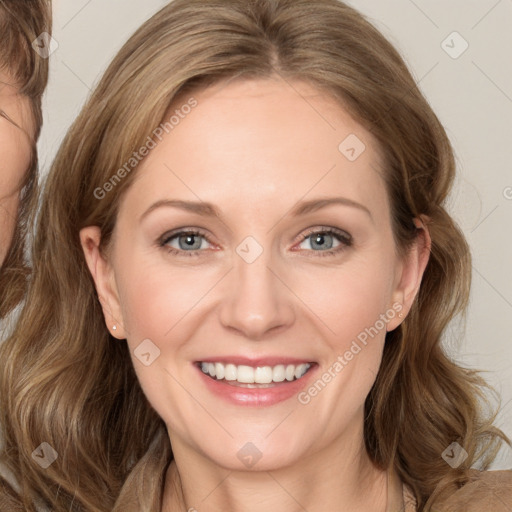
{"x": 485, "y": 490}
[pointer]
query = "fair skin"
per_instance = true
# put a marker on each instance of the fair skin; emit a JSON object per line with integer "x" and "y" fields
{"x": 255, "y": 149}
{"x": 15, "y": 149}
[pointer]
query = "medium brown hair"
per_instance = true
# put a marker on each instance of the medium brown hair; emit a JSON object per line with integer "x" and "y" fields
{"x": 22, "y": 21}
{"x": 58, "y": 384}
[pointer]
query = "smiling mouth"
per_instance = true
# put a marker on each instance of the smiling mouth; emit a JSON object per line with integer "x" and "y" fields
{"x": 254, "y": 377}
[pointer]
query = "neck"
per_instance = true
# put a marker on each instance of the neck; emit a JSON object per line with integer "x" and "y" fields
{"x": 344, "y": 481}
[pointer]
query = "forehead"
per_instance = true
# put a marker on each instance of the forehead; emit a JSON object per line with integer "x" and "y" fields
{"x": 258, "y": 140}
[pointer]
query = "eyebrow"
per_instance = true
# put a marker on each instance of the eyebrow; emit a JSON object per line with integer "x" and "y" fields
{"x": 209, "y": 210}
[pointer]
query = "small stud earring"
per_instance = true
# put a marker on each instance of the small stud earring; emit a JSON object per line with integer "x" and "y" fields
{"x": 114, "y": 327}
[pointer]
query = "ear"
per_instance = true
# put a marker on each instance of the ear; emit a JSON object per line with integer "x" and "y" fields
{"x": 104, "y": 280}
{"x": 410, "y": 271}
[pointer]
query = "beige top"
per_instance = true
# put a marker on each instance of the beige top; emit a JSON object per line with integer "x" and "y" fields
{"x": 486, "y": 491}
{"x": 400, "y": 497}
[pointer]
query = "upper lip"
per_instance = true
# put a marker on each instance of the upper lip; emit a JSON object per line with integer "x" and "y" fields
{"x": 258, "y": 361}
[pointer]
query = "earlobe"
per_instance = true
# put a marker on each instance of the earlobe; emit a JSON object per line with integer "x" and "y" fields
{"x": 101, "y": 273}
{"x": 412, "y": 268}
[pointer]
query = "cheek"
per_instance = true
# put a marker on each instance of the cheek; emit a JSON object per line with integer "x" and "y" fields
{"x": 348, "y": 299}
{"x": 160, "y": 303}
{"x": 14, "y": 158}
{"x": 352, "y": 309}
{"x": 155, "y": 299}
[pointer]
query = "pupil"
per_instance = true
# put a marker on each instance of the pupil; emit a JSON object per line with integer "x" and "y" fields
{"x": 189, "y": 240}
{"x": 320, "y": 241}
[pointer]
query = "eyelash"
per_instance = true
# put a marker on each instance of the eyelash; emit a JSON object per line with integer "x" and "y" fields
{"x": 341, "y": 236}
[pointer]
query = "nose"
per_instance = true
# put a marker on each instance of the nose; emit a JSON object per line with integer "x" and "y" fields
{"x": 257, "y": 299}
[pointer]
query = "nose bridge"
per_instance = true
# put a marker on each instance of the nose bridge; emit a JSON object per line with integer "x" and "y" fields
{"x": 257, "y": 300}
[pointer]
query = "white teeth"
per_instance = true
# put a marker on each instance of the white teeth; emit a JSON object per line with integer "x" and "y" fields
{"x": 259, "y": 375}
{"x": 278, "y": 373}
{"x": 230, "y": 372}
{"x": 219, "y": 370}
{"x": 301, "y": 370}
{"x": 263, "y": 375}
{"x": 245, "y": 374}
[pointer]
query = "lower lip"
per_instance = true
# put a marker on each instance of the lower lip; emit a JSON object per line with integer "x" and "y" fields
{"x": 279, "y": 392}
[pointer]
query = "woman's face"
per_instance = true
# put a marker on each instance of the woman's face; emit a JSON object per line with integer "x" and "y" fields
{"x": 15, "y": 151}
{"x": 298, "y": 267}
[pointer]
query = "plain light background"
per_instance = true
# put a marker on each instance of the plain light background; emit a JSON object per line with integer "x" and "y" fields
{"x": 471, "y": 94}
